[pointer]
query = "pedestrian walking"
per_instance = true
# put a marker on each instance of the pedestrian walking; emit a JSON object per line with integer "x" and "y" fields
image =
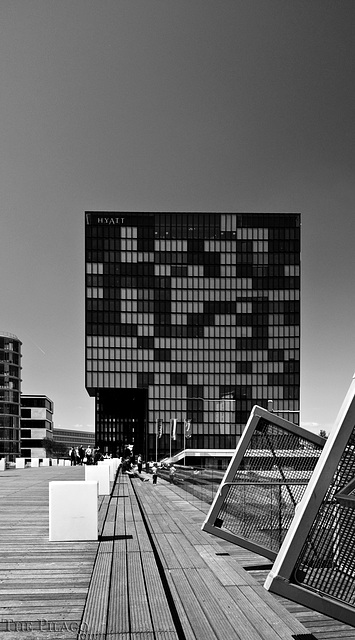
{"x": 139, "y": 463}
{"x": 88, "y": 455}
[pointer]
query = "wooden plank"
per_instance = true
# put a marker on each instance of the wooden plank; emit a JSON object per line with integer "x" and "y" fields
{"x": 138, "y": 600}
{"x": 229, "y": 621}
{"x": 122, "y": 591}
{"x": 42, "y": 583}
{"x": 185, "y": 552}
{"x": 166, "y": 552}
{"x": 118, "y": 607}
{"x": 229, "y": 575}
{"x": 183, "y": 620}
{"x": 262, "y": 600}
{"x": 193, "y": 612}
{"x": 26, "y": 631}
{"x": 160, "y": 612}
{"x": 95, "y": 613}
{"x": 317, "y": 623}
{"x": 223, "y": 571}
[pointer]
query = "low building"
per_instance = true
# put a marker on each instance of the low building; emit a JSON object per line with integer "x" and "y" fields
{"x": 10, "y": 391}
{"x": 36, "y": 424}
{"x": 72, "y": 438}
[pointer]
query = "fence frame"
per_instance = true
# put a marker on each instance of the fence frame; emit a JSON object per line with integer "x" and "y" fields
{"x": 256, "y": 415}
{"x": 280, "y": 578}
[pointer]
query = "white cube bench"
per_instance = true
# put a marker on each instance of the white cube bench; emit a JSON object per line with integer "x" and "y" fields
{"x": 101, "y": 473}
{"x": 2, "y": 464}
{"x": 20, "y": 463}
{"x": 73, "y": 510}
{"x": 109, "y": 462}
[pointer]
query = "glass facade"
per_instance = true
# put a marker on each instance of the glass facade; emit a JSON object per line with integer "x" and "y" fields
{"x": 72, "y": 438}
{"x": 190, "y": 317}
{"x": 10, "y": 394}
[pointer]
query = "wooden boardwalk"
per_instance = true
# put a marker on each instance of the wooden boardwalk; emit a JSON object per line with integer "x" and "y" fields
{"x": 152, "y": 575}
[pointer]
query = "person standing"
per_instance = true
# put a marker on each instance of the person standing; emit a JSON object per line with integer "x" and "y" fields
{"x": 81, "y": 454}
{"x": 172, "y": 472}
{"x": 139, "y": 463}
{"x": 97, "y": 455}
{"x": 72, "y": 457}
{"x": 155, "y": 473}
{"x": 88, "y": 454}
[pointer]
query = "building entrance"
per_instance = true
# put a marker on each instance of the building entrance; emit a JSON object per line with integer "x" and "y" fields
{"x": 121, "y": 421}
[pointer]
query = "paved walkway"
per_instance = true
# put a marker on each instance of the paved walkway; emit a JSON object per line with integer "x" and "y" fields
{"x": 153, "y": 574}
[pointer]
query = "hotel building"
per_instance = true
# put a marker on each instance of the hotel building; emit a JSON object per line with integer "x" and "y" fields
{"x": 190, "y": 317}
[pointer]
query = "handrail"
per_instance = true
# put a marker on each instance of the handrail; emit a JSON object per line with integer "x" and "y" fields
{"x": 272, "y": 484}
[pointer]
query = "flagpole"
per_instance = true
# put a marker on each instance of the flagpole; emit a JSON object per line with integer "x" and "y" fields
{"x": 156, "y": 440}
{"x": 184, "y": 442}
{"x": 170, "y": 440}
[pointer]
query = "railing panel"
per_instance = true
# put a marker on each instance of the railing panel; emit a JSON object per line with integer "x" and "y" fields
{"x": 264, "y": 483}
{"x": 316, "y": 563}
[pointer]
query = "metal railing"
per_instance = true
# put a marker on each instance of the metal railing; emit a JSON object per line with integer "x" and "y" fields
{"x": 260, "y": 512}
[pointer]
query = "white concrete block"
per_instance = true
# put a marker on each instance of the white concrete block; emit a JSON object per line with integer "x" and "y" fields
{"x": 20, "y": 463}
{"x": 46, "y": 462}
{"x": 111, "y": 465}
{"x": 101, "y": 473}
{"x": 73, "y": 510}
{"x": 61, "y": 462}
{"x": 2, "y": 464}
{"x": 54, "y": 462}
{"x": 34, "y": 462}
{"x": 67, "y": 463}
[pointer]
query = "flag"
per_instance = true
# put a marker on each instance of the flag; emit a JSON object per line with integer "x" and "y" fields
{"x": 159, "y": 427}
{"x": 187, "y": 428}
{"x": 173, "y": 423}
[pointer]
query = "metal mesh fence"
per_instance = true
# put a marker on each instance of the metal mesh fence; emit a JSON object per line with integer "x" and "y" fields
{"x": 261, "y": 498}
{"x": 326, "y": 563}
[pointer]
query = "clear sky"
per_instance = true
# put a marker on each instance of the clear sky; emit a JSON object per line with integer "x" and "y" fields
{"x": 173, "y": 105}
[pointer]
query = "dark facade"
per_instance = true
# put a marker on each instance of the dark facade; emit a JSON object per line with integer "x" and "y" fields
{"x": 10, "y": 393}
{"x": 190, "y": 317}
{"x": 36, "y": 424}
